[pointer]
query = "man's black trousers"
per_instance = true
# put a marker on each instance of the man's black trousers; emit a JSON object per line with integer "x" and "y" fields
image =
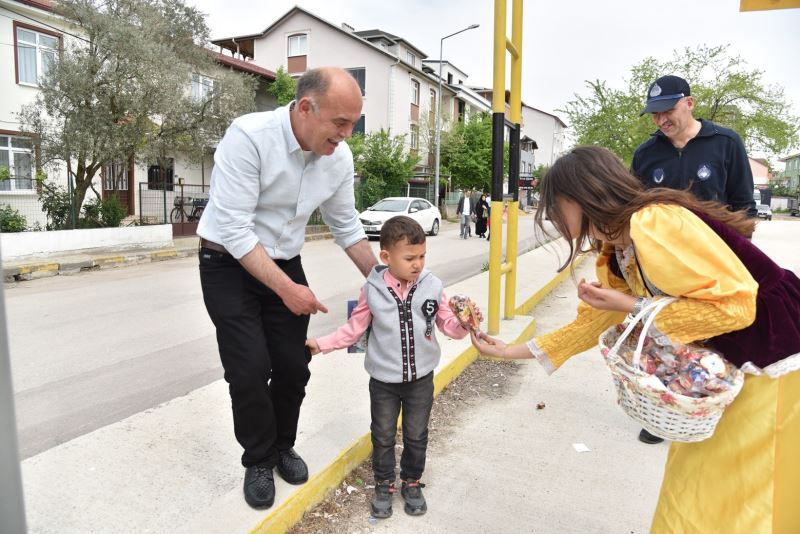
{"x": 262, "y": 348}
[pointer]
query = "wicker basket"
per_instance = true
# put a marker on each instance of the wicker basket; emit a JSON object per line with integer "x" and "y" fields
{"x": 661, "y": 412}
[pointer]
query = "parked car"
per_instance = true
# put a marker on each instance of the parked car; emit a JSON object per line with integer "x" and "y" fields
{"x": 764, "y": 212}
{"x": 419, "y": 209}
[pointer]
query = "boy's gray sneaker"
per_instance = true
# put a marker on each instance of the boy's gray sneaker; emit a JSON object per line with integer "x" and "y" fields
{"x": 382, "y": 500}
{"x": 412, "y": 495}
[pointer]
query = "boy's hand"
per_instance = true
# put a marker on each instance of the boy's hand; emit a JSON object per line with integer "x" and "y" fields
{"x": 313, "y": 347}
{"x": 478, "y": 313}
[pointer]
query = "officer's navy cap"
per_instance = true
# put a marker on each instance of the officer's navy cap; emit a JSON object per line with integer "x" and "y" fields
{"x": 664, "y": 93}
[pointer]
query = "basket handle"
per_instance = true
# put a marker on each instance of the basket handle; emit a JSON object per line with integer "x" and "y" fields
{"x": 648, "y": 314}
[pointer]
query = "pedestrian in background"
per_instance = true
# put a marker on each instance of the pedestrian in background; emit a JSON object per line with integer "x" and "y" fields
{"x": 687, "y": 153}
{"x": 465, "y": 210}
{"x": 658, "y": 243}
{"x": 271, "y": 171}
{"x": 481, "y": 216}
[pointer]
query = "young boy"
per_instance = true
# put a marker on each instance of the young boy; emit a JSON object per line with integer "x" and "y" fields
{"x": 399, "y": 304}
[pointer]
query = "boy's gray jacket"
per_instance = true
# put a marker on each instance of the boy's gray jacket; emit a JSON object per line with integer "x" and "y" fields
{"x": 398, "y": 349}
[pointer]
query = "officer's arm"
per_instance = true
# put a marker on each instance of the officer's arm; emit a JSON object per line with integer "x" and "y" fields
{"x": 739, "y": 187}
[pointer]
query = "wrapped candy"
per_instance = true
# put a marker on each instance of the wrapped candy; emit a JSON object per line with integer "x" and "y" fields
{"x": 465, "y": 311}
{"x": 684, "y": 369}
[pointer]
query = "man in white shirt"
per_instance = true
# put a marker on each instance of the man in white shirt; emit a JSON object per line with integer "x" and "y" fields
{"x": 271, "y": 171}
{"x": 465, "y": 210}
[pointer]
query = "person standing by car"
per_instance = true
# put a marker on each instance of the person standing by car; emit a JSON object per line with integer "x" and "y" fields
{"x": 687, "y": 153}
{"x": 272, "y": 170}
{"x": 465, "y": 210}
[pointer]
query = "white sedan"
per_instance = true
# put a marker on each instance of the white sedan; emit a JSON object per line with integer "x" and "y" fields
{"x": 419, "y": 209}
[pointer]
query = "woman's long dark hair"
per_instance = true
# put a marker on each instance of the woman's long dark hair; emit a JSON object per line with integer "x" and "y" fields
{"x": 609, "y": 195}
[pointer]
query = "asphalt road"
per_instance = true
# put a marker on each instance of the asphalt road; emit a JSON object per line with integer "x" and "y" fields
{"x": 91, "y": 349}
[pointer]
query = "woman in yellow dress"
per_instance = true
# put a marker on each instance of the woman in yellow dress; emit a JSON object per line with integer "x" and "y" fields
{"x": 661, "y": 242}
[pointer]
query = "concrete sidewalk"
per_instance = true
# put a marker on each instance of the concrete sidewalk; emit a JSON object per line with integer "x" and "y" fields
{"x": 175, "y": 468}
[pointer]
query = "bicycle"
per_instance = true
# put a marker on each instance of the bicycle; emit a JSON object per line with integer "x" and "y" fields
{"x": 179, "y": 214}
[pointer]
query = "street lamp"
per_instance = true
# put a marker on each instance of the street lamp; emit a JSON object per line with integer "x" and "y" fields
{"x": 439, "y": 114}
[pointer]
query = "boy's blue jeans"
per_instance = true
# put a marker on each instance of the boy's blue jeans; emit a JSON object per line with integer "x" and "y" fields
{"x": 416, "y": 399}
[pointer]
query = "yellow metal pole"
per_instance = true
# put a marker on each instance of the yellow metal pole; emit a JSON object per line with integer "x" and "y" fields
{"x": 515, "y": 103}
{"x": 496, "y": 215}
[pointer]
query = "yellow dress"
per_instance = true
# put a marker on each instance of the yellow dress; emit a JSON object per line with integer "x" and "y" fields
{"x": 746, "y": 477}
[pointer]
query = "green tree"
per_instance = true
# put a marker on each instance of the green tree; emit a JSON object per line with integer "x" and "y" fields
{"x": 383, "y": 163}
{"x": 466, "y": 153}
{"x": 283, "y": 88}
{"x": 725, "y": 91}
{"x": 124, "y": 88}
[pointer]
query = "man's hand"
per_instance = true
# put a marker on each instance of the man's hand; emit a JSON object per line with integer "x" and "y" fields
{"x": 313, "y": 346}
{"x": 602, "y": 298}
{"x": 301, "y": 300}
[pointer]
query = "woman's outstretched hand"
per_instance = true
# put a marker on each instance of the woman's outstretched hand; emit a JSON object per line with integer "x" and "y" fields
{"x": 488, "y": 346}
{"x": 604, "y": 298}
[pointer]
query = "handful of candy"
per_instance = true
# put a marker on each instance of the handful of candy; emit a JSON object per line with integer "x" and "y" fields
{"x": 466, "y": 312}
{"x": 684, "y": 369}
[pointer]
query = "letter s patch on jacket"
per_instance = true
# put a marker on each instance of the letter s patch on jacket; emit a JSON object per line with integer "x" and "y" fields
{"x": 429, "y": 309}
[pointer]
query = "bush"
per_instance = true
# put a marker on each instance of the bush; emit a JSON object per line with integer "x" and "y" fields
{"x": 107, "y": 213}
{"x": 112, "y": 211}
{"x": 12, "y": 220}
{"x": 91, "y": 214}
{"x": 56, "y": 204}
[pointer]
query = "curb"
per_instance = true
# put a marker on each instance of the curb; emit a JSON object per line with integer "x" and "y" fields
{"x": 82, "y": 263}
{"x": 78, "y": 262}
{"x": 288, "y": 513}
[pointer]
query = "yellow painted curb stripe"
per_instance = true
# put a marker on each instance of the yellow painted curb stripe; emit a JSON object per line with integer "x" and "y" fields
{"x": 105, "y": 260}
{"x": 164, "y": 254}
{"x": 39, "y": 267}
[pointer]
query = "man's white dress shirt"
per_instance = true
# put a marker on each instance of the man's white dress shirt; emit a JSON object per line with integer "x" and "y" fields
{"x": 264, "y": 189}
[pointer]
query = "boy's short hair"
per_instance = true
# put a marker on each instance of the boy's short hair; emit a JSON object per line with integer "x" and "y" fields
{"x": 399, "y": 228}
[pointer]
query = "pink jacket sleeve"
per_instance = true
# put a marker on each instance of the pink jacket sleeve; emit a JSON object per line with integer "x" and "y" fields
{"x": 351, "y": 331}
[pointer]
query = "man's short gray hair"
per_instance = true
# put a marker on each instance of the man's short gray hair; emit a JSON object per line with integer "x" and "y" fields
{"x": 314, "y": 82}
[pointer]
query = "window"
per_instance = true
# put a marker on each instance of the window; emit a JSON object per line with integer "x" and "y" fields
{"x": 161, "y": 178}
{"x": 450, "y": 77}
{"x": 358, "y": 128}
{"x": 297, "y": 53}
{"x": 202, "y": 88}
{"x": 36, "y": 52}
{"x": 411, "y": 59}
{"x": 16, "y": 155}
{"x": 415, "y": 92}
{"x": 298, "y": 45}
{"x": 115, "y": 177}
{"x": 360, "y": 76}
{"x": 433, "y": 100}
{"x": 414, "y": 137}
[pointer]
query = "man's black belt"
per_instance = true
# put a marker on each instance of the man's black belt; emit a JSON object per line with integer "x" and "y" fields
{"x": 205, "y": 243}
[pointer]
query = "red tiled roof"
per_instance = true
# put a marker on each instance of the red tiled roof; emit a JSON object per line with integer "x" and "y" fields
{"x": 47, "y": 5}
{"x": 244, "y": 66}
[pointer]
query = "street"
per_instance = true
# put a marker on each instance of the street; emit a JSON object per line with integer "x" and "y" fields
{"x": 91, "y": 349}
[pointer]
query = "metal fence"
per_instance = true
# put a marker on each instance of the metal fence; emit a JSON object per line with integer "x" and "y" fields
{"x": 25, "y": 207}
{"x": 164, "y": 202}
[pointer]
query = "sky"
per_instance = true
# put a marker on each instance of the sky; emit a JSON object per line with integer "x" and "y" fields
{"x": 565, "y": 42}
